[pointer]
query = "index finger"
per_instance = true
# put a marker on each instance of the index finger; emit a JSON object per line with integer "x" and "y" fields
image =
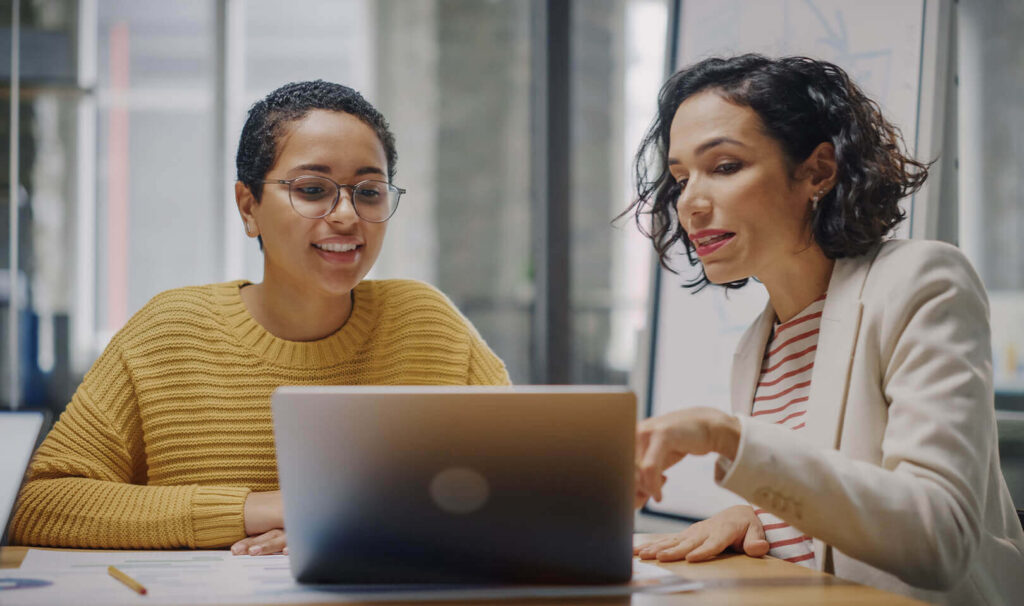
{"x": 652, "y": 467}
{"x": 642, "y": 440}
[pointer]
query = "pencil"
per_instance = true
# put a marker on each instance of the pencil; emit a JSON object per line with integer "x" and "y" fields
{"x": 127, "y": 580}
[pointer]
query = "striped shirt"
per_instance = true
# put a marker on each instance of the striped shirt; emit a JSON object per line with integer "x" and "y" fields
{"x": 781, "y": 398}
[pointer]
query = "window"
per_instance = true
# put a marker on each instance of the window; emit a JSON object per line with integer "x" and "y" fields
{"x": 128, "y": 143}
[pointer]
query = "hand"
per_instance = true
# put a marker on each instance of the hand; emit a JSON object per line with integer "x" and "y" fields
{"x": 737, "y": 527}
{"x": 641, "y": 497}
{"x": 663, "y": 441}
{"x": 268, "y": 543}
{"x": 264, "y": 523}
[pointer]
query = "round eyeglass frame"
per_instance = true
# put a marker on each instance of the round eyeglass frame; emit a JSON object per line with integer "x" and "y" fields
{"x": 337, "y": 195}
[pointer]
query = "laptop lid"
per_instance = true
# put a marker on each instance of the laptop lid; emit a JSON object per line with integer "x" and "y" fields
{"x": 19, "y": 432}
{"x": 457, "y": 484}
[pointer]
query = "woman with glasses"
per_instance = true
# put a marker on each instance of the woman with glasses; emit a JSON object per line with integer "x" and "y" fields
{"x": 168, "y": 441}
{"x": 864, "y": 434}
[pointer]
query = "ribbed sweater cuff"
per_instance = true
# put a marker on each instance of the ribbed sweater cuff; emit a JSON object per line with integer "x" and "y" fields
{"x": 218, "y": 515}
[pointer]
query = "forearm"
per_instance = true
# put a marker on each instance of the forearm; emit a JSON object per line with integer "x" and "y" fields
{"x": 903, "y": 520}
{"x": 86, "y": 513}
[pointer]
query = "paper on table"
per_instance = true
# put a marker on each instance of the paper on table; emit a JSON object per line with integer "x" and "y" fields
{"x": 217, "y": 577}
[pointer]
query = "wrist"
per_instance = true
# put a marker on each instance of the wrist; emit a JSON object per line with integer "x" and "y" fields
{"x": 260, "y": 513}
{"x": 251, "y": 515}
{"x": 726, "y": 431}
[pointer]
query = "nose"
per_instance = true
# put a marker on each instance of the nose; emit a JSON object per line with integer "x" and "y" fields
{"x": 345, "y": 210}
{"x": 692, "y": 205}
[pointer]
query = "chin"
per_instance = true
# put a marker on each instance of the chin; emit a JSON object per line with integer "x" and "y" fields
{"x": 340, "y": 287}
{"x": 719, "y": 275}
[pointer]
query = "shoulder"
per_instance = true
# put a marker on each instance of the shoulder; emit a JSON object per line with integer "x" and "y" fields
{"x": 411, "y": 296}
{"x": 922, "y": 281}
{"x": 194, "y": 306}
{"x": 188, "y": 295}
{"x": 906, "y": 266}
{"x": 921, "y": 253}
{"x": 183, "y": 315}
{"x": 417, "y": 312}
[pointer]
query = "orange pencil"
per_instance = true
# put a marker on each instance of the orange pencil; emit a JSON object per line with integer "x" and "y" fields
{"x": 127, "y": 580}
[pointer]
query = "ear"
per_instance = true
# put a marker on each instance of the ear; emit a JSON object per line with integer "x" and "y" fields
{"x": 819, "y": 172}
{"x": 247, "y": 203}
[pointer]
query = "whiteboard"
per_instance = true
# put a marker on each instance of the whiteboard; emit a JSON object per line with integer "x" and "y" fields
{"x": 879, "y": 43}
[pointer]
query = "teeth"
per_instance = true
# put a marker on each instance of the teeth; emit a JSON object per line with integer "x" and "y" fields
{"x": 331, "y": 247}
{"x": 712, "y": 239}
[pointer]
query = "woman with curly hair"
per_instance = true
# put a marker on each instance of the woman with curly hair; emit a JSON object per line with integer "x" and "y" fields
{"x": 864, "y": 433}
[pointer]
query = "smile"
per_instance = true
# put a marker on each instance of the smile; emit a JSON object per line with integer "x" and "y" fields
{"x": 709, "y": 242}
{"x": 332, "y": 247}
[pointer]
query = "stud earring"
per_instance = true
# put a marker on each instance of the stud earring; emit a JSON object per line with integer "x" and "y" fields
{"x": 815, "y": 198}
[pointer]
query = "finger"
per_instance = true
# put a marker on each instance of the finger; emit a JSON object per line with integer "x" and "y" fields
{"x": 642, "y": 439}
{"x": 690, "y": 537}
{"x": 714, "y": 545}
{"x": 240, "y": 547}
{"x": 640, "y": 496}
{"x": 754, "y": 542}
{"x": 661, "y": 485}
{"x": 651, "y": 467}
{"x": 270, "y": 542}
{"x": 639, "y": 500}
{"x": 267, "y": 545}
{"x": 680, "y": 550}
{"x": 651, "y": 548}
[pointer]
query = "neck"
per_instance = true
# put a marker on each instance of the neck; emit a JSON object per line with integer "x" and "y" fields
{"x": 295, "y": 314}
{"x": 797, "y": 283}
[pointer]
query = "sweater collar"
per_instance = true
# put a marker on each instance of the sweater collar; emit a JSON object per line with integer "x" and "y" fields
{"x": 321, "y": 353}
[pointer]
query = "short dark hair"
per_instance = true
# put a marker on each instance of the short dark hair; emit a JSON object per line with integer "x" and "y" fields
{"x": 802, "y": 103}
{"x": 268, "y": 117}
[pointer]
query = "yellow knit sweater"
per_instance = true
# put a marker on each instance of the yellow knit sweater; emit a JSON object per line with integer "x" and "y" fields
{"x": 171, "y": 428}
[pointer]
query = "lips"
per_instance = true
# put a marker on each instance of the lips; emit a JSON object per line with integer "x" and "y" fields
{"x": 339, "y": 250}
{"x": 336, "y": 247}
{"x": 708, "y": 241}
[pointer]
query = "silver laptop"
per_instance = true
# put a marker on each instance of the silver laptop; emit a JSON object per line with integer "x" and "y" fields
{"x": 19, "y": 432}
{"x": 457, "y": 484}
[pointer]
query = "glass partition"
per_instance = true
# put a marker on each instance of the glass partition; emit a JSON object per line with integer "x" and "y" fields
{"x": 131, "y": 111}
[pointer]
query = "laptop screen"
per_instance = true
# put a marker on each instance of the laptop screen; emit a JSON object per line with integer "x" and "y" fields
{"x": 18, "y": 434}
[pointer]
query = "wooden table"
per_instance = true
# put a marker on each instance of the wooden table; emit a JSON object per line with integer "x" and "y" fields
{"x": 729, "y": 579}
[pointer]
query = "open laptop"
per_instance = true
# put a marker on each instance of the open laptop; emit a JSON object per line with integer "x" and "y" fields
{"x": 457, "y": 484}
{"x": 19, "y": 432}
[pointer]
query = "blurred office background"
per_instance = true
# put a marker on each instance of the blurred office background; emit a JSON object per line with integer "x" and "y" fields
{"x": 516, "y": 121}
{"x": 130, "y": 114}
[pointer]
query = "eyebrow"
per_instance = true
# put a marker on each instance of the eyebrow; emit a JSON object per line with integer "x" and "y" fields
{"x": 710, "y": 143}
{"x": 323, "y": 168}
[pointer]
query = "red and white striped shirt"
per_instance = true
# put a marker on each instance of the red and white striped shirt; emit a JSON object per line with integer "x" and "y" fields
{"x": 781, "y": 398}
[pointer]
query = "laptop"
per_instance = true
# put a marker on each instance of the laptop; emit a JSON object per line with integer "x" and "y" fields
{"x": 464, "y": 485}
{"x": 19, "y": 432}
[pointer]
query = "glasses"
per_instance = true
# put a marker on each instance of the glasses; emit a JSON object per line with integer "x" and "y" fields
{"x": 316, "y": 197}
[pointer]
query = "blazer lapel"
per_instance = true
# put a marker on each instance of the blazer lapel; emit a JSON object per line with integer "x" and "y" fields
{"x": 837, "y": 340}
{"x": 830, "y": 379}
{"x": 746, "y": 362}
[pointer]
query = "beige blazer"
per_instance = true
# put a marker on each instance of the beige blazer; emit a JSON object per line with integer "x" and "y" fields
{"x": 896, "y": 474}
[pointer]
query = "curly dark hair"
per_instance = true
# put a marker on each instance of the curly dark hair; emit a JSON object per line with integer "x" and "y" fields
{"x": 802, "y": 103}
{"x": 269, "y": 117}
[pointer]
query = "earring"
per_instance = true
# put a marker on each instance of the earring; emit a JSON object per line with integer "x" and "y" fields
{"x": 249, "y": 229}
{"x": 815, "y": 198}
